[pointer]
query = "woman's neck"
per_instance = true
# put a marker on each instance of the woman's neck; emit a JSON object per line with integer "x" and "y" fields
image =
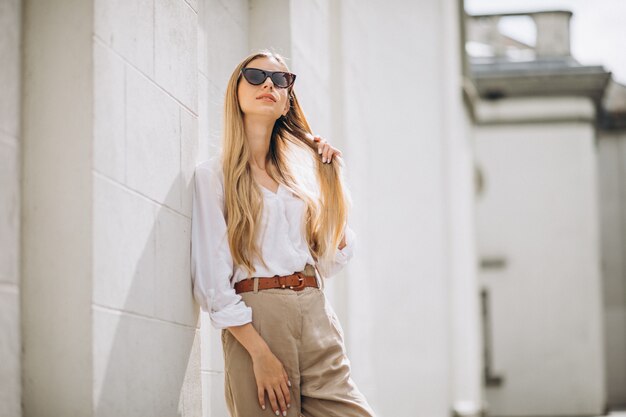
{"x": 258, "y": 134}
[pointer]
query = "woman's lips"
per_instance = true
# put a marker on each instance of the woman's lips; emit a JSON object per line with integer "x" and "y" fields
{"x": 266, "y": 99}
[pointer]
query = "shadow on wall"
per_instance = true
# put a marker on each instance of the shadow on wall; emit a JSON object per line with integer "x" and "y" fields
{"x": 146, "y": 343}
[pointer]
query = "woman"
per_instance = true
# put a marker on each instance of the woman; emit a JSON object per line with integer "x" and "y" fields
{"x": 268, "y": 213}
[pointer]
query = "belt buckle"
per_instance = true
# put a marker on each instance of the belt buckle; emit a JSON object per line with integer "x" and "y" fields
{"x": 300, "y": 286}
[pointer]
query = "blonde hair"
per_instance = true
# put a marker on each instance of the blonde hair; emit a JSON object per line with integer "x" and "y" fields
{"x": 293, "y": 160}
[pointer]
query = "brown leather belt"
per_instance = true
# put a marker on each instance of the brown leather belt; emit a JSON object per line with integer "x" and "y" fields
{"x": 296, "y": 281}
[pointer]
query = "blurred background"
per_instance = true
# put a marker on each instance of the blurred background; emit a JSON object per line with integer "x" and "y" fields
{"x": 485, "y": 149}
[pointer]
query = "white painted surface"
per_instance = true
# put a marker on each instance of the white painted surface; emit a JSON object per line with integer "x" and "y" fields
{"x": 10, "y": 206}
{"x": 404, "y": 132}
{"x": 539, "y": 212}
{"x": 57, "y": 128}
{"x": 110, "y": 327}
{"x": 146, "y": 336}
{"x": 612, "y": 185}
{"x": 535, "y": 109}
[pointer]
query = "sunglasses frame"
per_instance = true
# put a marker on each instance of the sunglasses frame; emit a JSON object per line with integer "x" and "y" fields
{"x": 269, "y": 74}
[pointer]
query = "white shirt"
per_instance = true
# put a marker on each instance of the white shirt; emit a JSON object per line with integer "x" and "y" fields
{"x": 281, "y": 240}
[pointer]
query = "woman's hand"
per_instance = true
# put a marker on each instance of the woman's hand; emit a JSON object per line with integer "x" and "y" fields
{"x": 325, "y": 149}
{"x": 271, "y": 377}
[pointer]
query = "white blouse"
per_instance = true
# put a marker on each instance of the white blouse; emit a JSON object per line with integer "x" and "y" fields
{"x": 281, "y": 240}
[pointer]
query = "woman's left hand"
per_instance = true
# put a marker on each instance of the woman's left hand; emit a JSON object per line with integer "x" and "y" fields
{"x": 325, "y": 149}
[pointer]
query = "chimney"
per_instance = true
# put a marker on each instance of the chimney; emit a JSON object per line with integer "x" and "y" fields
{"x": 553, "y": 33}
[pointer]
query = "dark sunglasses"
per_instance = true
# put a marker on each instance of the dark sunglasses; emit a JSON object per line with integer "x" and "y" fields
{"x": 257, "y": 76}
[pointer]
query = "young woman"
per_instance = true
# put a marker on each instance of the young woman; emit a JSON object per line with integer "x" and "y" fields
{"x": 269, "y": 224}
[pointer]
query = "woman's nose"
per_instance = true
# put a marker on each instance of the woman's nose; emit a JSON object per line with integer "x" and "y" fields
{"x": 268, "y": 81}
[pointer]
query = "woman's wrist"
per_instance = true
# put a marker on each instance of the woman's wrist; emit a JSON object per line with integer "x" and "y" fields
{"x": 259, "y": 351}
{"x": 257, "y": 347}
{"x": 251, "y": 340}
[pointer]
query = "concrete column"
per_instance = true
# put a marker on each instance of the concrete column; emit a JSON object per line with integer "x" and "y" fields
{"x": 57, "y": 201}
{"x": 110, "y": 139}
{"x": 410, "y": 163}
{"x": 459, "y": 168}
{"x": 10, "y": 167}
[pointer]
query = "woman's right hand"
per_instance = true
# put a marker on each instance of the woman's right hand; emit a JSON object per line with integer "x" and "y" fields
{"x": 271, "y": 376}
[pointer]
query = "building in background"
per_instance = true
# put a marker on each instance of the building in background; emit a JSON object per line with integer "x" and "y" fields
{"x": 549, "y": 145}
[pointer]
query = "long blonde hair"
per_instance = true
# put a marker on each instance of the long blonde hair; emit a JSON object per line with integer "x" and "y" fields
{"x": 293, "y": 160}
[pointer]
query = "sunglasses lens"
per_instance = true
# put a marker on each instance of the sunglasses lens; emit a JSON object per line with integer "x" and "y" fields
{"x": 282, "y": 79}
{"x": 254, "y": 76}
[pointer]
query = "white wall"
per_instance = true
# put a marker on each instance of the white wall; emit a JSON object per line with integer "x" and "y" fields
{"x": 111, "y": 137}
{"x": 466, "y": 360}
{"x": 56, "y": 262}
{"x": 10, "y": 167}
{"x": 405, "y": 140}
{"x": 146, "y": 336}
{"x": 538, "y": 213}
{"x": 612, "y": 185}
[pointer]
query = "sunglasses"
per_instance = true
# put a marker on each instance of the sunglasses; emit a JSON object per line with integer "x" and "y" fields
{"x": 281, "y": 79}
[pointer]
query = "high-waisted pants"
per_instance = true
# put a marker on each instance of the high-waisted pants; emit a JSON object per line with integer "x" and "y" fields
{"x": 302, "y": 330}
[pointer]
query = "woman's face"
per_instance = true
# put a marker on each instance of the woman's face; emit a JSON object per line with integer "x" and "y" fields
{"x": 248, "y": 94}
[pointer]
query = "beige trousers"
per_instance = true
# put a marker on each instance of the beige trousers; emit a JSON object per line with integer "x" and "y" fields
{"x": 302, "y": 330}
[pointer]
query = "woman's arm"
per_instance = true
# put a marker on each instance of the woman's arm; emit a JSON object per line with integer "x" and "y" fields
{"x": 211, "y": 260}
{"x": 211, "y": 271}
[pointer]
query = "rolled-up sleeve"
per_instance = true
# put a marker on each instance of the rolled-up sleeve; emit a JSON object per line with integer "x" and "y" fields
{"x": 342, "y": 256}
{"x": 211, "y": 260}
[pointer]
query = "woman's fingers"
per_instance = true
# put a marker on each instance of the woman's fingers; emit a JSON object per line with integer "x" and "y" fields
{"x": 261, "y": 394}
{"x": 285, "y": 388}
{"x": 325, "y": 153}
{"x": 325, "y": 149}
{"x": 329, "y": 152}
{"x": 286, "y": 391}
{"x": 280, "y": 395}
{"x": 272, "y": 377}
{"x": 286, "y": 394}
{"x": 286, "y": 377}
{"x": 273, "y": 402}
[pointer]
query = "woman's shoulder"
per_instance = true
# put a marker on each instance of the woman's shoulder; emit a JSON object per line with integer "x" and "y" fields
{"x": 211, "y": 166}
{"x": 211, "y": 169}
